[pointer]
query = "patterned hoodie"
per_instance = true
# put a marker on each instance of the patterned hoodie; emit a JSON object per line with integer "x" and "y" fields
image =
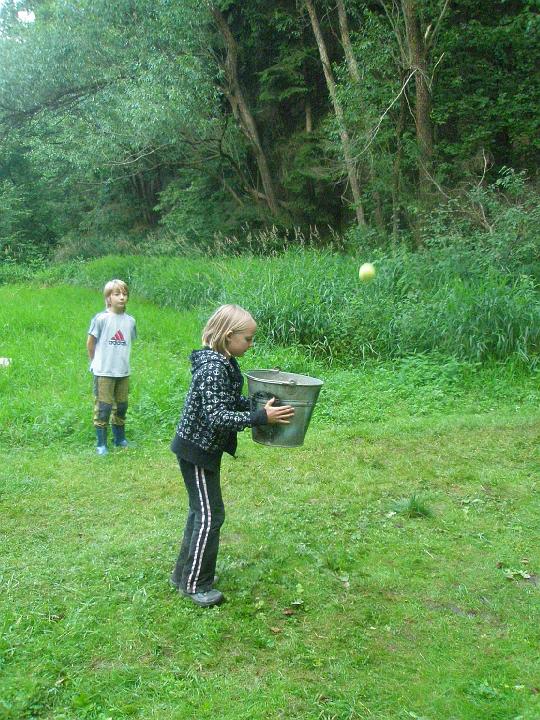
{"x": 214, "y": 411}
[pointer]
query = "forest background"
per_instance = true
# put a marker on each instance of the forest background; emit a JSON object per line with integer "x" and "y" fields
{"x": 163, "y": 127}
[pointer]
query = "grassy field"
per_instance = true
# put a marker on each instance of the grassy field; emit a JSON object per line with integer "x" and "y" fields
{"x": 388, "y": 569}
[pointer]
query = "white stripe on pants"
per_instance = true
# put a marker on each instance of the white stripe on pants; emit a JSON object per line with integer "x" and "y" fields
{"x": 202, "y": 538}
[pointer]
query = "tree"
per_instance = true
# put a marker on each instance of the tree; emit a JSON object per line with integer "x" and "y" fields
{"x": 340, "y": 117}
{"x": 242, "y": 112}
{"x": 354, "y": 72}
{"x": 415, "y": 40}
{"x": 111, "y": 99}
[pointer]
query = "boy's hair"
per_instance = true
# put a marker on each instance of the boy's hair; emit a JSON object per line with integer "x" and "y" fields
{"x": 112, "y": 285}
{"x": 226, "y": 319}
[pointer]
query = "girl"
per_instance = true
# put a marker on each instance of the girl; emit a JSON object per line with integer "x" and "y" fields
{"x": 214, "y": 412}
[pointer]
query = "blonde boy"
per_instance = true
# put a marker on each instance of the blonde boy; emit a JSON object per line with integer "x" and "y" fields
{"x": 109, "y": 346}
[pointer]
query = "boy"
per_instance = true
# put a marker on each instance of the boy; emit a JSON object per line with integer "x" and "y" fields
{"x": 109, "y": 346}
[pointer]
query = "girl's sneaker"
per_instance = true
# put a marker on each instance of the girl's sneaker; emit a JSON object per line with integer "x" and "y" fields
{"x": 206, "y": 599}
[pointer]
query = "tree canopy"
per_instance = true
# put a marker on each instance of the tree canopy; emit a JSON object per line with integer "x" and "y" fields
{"x": 206, "y": 117}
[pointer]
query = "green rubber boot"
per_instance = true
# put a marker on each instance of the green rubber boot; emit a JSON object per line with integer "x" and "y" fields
{"x": 119, "y": 436}
{"x": 101, "y": 435}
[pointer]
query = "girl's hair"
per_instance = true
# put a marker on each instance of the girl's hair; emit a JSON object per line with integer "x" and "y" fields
{"x": 226, "y": 319}
{"x": 113, "y": 285}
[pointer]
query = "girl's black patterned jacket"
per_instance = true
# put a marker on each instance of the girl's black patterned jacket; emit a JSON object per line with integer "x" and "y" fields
{"x": 214, "y": 411}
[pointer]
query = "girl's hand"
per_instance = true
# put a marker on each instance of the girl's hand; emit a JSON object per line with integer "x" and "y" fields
{"x": 278, "y": 415}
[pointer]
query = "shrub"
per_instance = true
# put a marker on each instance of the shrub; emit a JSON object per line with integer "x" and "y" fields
{"x": 23, "y": 236}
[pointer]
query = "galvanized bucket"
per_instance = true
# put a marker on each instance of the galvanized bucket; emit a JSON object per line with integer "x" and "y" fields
{"x": 300, "y": 391}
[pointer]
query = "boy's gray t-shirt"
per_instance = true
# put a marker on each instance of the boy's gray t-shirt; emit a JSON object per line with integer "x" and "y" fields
{"x": 114, "y": 333}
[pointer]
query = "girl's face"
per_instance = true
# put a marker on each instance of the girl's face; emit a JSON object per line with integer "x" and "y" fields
{"x": 239, "y": 342}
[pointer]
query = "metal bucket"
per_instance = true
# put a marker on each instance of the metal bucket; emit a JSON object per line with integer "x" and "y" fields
{"x": 300, "y": 391}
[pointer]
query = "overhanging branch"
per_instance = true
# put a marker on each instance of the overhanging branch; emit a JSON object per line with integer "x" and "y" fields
{"x": 57, "y": 101}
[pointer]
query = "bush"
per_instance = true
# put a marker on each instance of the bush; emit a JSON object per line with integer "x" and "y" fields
{"x": 500, "y": 220}
{"x": 24, "y": 236}
{"x": 11, "y": 272}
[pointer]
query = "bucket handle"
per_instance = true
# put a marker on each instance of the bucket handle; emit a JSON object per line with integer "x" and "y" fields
{"x": 284, "y": 382}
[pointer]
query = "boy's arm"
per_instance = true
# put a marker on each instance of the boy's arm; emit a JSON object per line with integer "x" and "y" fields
{"x": 94, "y": 332}
{"x": 91, "y": 346}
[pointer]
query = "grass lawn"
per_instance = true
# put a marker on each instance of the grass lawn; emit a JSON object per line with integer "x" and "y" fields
{"x": 388, "y": 569}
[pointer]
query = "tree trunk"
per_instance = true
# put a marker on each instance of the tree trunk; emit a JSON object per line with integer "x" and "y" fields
{"x": 309, "y": 117}
{"x": 354, "y": 72}
{"x": 396, "y": 169}
{"x": 418, "y": 63}
{"x": 241, "y": 110}
{"x": 344, "y": 135}
{"x": 346, "y": 42}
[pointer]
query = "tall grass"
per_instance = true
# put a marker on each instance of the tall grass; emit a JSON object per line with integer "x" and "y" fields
{"x": 453, "y": 301}
{"x": 47, "y": 390}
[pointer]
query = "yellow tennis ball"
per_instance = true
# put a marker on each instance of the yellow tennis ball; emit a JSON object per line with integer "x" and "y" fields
{"x": 366, "y": 272}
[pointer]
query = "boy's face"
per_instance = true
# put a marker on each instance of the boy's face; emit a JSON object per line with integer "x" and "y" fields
{"x": 239, "y": 342}
{"x": 117, "y": 300}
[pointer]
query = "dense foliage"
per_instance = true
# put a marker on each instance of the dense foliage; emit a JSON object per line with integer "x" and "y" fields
{"x": 190, "y": 119}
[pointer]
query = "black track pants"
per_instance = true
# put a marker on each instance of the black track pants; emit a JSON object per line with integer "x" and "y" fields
{"x": 196, "y": 564}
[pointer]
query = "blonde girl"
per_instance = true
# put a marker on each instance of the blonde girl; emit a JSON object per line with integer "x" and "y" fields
{"x": 214, "y": 411}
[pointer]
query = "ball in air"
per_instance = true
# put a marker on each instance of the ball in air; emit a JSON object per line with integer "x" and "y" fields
{"x": 366, "y": 272}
